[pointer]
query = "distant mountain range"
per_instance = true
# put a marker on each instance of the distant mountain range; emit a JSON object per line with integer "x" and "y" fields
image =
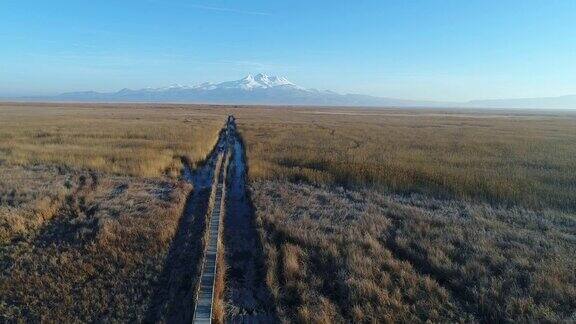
{"x": 273, "y": 90}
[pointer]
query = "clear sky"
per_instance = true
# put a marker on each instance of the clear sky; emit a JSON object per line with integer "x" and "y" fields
{"x": 413, "y": 49}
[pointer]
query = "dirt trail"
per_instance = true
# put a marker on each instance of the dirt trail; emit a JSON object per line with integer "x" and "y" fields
{"x": 248, "y": 299}
{"x": 173, "y": 297}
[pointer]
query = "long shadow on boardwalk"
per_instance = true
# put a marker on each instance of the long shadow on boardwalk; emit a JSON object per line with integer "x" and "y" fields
{"x": 173, "y": 297}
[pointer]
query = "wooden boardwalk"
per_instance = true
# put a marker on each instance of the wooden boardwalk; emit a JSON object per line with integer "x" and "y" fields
{"x": 203, "y": 309}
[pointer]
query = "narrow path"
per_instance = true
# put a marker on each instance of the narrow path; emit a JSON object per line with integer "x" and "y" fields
{"x": 205, "y": 297}
{"x": 203, "y": 310}
{"x": 172, "y": 299}
{"x": 190, "y": 264}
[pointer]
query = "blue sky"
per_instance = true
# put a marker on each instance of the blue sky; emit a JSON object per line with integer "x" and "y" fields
{"x": 435, "y": 49}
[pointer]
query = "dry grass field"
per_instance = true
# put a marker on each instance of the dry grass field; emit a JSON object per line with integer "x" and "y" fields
{"x": 90, "y": 201}
{"x": 336, "y": 256}
{"x": 416, "y": 215}
{"x": 363, "y": 215}
{"x": 505, "y": 157}
{"x": 80, "y": 246}
{"x": 134, "y": 140}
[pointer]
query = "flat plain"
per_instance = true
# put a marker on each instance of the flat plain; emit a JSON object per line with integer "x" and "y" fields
{"x": 369, "y": 215}
{"x": 498, "y": 156}
{"x": 90, "y": 200}
{"x": 415, "y": 215}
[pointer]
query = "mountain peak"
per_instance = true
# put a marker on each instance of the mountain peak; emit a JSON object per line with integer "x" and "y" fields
{"x": 271, "y": 80}
{"x": 261, "y": 76}
{"x": 258, "y": 81}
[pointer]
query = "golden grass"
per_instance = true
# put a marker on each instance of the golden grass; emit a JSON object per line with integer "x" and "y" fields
{"x": 503, "y": 157}
{"x": 133, "y": 140}
{"x": 340, "y": 256}
{"x": 497, "y": 246}
{"x": 326, "y": 263}
{"x": 332, "y": 255}
{"x": 28, "y": 198}
{"x": 89, "y": 205}
{"x": 99, "y": 254}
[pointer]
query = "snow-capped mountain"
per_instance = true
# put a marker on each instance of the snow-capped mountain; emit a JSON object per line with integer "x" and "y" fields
{"x": 248, "y": 83}
{"x": 257, "y": 89}
{"x": 273, "y": 90}
{"x": 259, "y": 81}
